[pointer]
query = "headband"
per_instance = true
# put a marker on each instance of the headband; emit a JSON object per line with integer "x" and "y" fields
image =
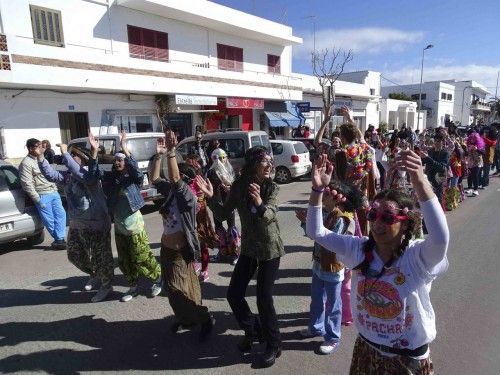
{"x": 120, "y": 155}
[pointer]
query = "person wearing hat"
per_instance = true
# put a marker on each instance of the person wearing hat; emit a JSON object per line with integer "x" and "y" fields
{"x": 122, "y": 187}
{"x": 44, "y": 194}
{"x": 89, "y": 236}
{"x": 254, "y": 195}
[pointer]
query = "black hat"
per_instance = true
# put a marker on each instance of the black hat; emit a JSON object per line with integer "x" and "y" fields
{"x": 32, "y": 142}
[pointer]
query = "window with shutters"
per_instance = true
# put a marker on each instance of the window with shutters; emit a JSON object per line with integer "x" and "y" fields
{"x": 229, "y": 57}
{"x": 273, "y": 64}
{"x": 147, "y": 44}
{"x": 47, "y": 26}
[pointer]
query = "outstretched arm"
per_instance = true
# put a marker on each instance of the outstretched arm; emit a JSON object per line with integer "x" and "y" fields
{"x": 435, "y": 245}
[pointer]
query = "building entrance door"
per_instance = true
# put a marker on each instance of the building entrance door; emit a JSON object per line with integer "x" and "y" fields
{"x": 73, "y": 125}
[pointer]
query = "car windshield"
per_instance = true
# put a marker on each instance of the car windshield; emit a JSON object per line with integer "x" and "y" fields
{"x": 142, "y": 148}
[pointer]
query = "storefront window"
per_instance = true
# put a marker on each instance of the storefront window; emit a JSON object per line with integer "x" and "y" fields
{"x": 134, "y": 124}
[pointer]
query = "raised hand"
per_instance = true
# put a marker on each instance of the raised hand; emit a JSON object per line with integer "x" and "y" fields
{"x": 322, "y": 172}
{"x": 123, "y": 138}
{"x": 63, "y": 147}
{"x": 409, "y": 161}
{"x": 161, "y": 147}
{"x": 347, "y": 113}
{"x": 205, "y": 186}
{"x": 93, "y": 141}
{"x": 254, "y": 191}
{"x": 170, "y": 139}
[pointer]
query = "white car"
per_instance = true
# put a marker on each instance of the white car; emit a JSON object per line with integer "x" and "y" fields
{"x": 291, "y": 159}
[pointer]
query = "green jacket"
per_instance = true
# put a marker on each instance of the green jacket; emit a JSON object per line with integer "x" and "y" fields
{"x": 260, "y": 232}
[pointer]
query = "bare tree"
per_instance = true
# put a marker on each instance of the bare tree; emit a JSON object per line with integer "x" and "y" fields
{"x": 164, "y": 105}
{"x": 327, "y": 66}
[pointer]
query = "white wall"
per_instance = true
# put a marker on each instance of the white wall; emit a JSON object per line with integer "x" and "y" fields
{"x": 34, "y": 114}
{"x": 87, "y": 31}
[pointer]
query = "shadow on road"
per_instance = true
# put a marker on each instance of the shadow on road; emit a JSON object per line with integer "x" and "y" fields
{"x": 133, "y": 345}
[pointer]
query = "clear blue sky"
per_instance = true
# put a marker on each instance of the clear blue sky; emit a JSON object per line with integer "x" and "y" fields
{"x": 389, "y": 35}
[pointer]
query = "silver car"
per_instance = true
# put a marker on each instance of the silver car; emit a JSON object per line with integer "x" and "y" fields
{"x": 18, "y": 215}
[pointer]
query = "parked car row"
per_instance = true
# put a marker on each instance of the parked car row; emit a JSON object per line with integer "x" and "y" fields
{"x": 18, "y": 215}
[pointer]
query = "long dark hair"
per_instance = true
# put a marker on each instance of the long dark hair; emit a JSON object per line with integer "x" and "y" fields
{"x": 403, "y": 200}
{"x": 253, "y": 156}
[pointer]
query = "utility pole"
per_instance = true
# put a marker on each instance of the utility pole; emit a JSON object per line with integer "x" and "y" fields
{"x": 420, "y": 91}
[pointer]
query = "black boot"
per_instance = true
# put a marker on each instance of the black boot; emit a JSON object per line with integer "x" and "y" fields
{"x": 269, "y": 356}
{"x": 206, "y": 329}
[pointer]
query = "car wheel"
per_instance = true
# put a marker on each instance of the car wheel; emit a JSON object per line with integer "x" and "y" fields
{"x": 282, "y": 175}
{"x": 37, "y": 239}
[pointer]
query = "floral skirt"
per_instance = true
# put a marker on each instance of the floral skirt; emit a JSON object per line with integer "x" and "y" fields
{"x": 367, "y": 360}
{"x": 205, "y": 228}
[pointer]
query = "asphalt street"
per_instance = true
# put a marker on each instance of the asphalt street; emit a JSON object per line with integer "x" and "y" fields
{"x": 48, "y": 325}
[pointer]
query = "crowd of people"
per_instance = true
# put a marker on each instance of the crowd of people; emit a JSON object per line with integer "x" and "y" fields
{"x": 375, "y": 214}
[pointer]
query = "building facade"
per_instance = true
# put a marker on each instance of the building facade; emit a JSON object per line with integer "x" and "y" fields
{"x": 397, "y": 113}
{"x": 438, "y": 99}
{"x": 108, "y": 65}
{"x": 470, "y": 103}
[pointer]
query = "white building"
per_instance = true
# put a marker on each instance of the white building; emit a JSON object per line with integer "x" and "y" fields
{"x": 67, "y": 65}
{"x": 358, "y": 90}
{"x": 470, "y": 102}
{"x": 438, "y": 99}
{"x": 397, "y": 113}
{"x": 459, "y": 101}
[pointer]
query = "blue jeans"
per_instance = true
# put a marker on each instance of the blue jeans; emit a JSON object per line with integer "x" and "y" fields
{"x": 53, "y": 215}
{"x": 326, "y": 304}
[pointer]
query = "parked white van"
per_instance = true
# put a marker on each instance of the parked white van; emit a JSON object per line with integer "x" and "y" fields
{"x": 234, "y": 141}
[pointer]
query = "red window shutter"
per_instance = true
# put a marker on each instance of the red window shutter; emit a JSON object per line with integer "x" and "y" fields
{"x": 238, "y": 66}
{"x": 148, "y": 38}
{"x": 134, "y": 42}
{"x": 161, "y": 46}
{"x": 221, "y": 56}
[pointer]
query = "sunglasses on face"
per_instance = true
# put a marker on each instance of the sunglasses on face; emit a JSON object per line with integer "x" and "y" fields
{"x": 386, "y": 217}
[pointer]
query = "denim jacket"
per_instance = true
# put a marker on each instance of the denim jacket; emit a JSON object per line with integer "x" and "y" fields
{"x": 186, "y": 203}
{"x": 85, "y": 198}
{"x": 131, "y": 183}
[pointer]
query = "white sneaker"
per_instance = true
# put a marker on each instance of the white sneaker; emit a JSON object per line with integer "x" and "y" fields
{"x": 203, "y": 276}
{"x": 328, "y": 346}
{"x": 235, "y": 260}
{"x": 306, "y": 333}
{"x": 102, "y": 293}
{"x": 475, "y": 193}
{"x": 131, "y": 293}
{"x": 91, "y": 283}
{"x": 156, "y": 288}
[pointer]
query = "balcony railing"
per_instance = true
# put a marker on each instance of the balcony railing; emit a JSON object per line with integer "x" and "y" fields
{"x": 480, "y": 107}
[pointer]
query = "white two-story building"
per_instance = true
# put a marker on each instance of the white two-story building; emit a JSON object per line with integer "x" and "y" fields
{"x": 110, "y": 64}
{"x": 438, "y": 99}
{"x": 470, "y": 102}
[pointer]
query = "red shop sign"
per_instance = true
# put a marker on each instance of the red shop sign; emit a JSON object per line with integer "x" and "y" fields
{"x": 245, "y": 103}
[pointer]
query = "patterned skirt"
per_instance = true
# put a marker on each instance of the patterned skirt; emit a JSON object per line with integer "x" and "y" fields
{"x": 367, "y": 360}
{"x": 205, "y": 228}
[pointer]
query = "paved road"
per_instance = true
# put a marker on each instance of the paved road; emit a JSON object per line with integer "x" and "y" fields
{"x": 48, "y": 324}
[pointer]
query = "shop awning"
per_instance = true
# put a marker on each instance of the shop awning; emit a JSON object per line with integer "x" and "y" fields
{"x": 290, "y": 118}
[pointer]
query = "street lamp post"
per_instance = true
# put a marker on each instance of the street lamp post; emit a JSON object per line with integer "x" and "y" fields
{"x": 420, "y": 90}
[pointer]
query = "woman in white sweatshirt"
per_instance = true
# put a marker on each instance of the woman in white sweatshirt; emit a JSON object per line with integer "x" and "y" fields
{"x": 392, "y": 273}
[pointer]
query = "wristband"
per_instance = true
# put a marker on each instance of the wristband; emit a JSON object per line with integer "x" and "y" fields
{"x": 318, "y": 190}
